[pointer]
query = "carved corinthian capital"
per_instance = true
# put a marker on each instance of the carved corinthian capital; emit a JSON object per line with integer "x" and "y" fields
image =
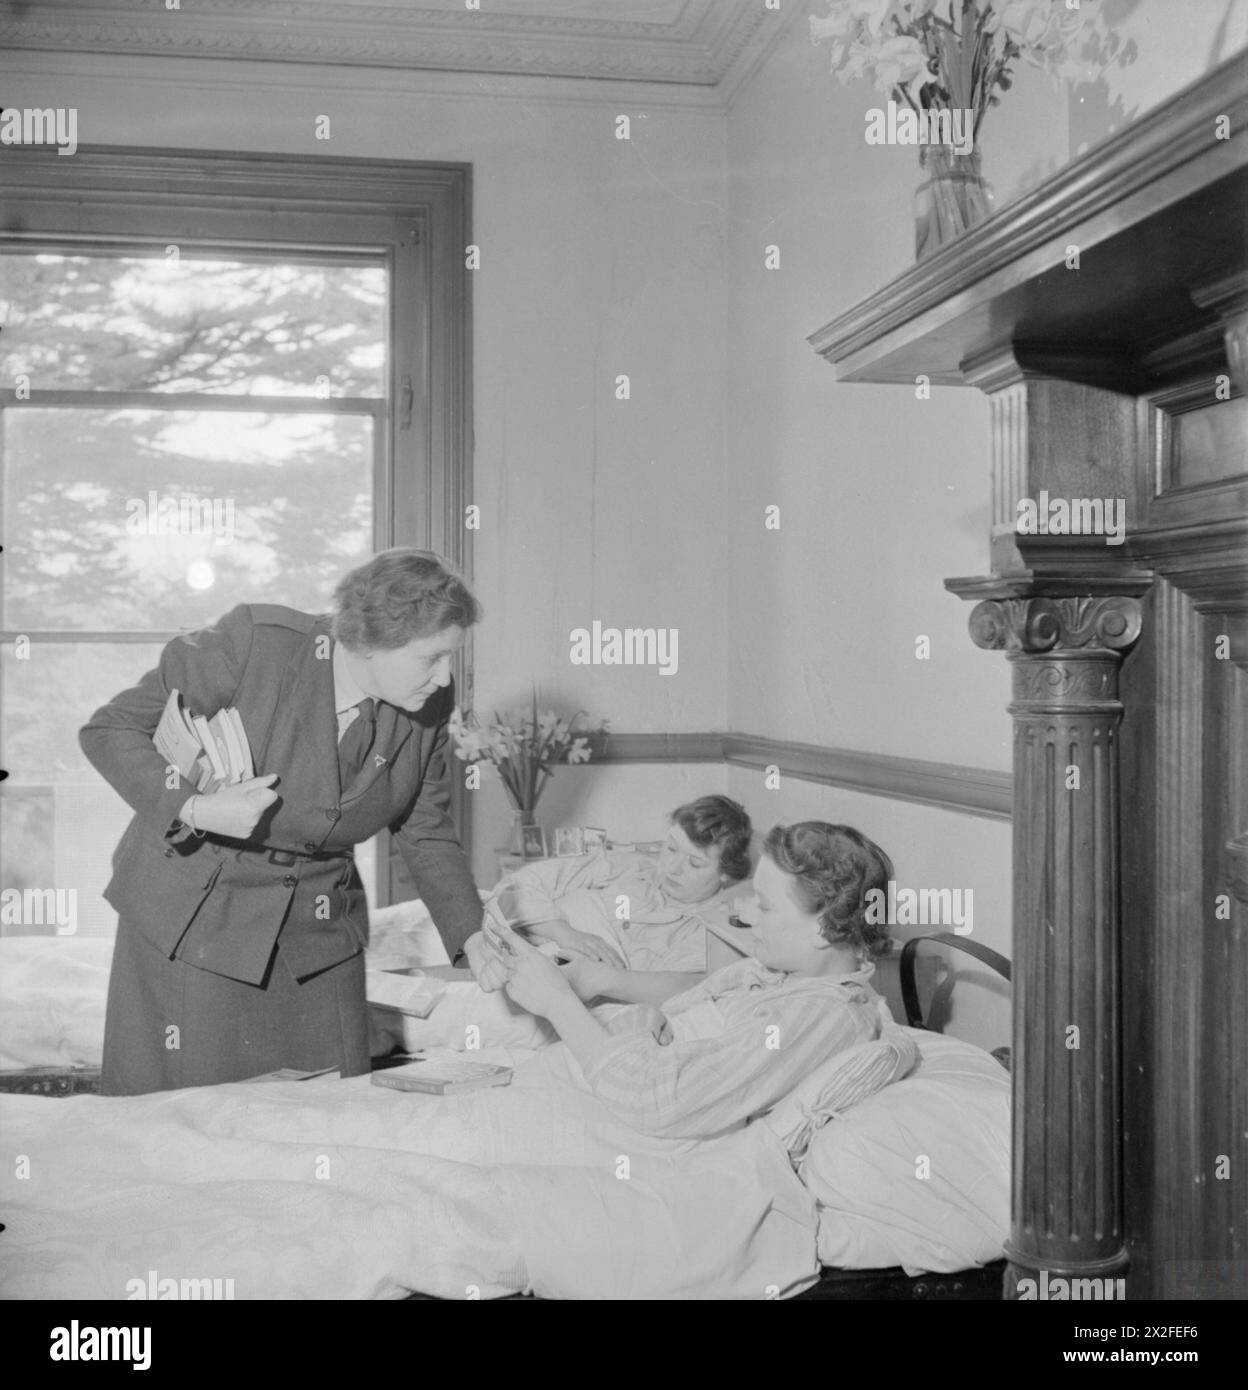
{"x": 1038, "y": 625}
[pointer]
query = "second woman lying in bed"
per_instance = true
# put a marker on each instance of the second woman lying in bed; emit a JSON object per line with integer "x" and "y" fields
{"x": 642, "y": 912}
{"x": 640, "y": 920}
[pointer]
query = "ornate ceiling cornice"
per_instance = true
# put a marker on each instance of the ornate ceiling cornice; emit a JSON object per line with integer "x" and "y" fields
{"x": 705, "y": 43}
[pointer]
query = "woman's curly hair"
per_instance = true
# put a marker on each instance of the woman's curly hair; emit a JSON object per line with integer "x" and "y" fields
{"x": 400, "y": 595}
{"x": 720, "y": 822}
{"x": 834, "y": 868}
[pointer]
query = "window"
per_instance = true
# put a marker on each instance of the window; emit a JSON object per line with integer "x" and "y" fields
{"x": 230, "y": 398}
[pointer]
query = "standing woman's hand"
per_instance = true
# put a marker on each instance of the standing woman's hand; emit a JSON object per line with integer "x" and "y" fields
{"x": 489, "y": 969}
{"x": 234, "y": 811}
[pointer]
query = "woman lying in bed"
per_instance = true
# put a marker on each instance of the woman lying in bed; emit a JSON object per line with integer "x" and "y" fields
{"x": 736, "y": 1043}
{"x": 641, "y": 920}
{"x": 637, "y": 911}
{"x": 495, "y": 1190}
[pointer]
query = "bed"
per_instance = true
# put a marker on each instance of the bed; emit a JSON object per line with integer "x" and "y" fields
{"x": 326, "y": 1189}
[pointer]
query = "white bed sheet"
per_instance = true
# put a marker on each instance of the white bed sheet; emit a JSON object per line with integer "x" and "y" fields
{"x": 341, "y": 1189}
{"x": 53, "y": 990}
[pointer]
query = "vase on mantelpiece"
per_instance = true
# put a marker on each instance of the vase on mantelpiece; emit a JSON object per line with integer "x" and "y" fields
{"x": 953, "y": 197}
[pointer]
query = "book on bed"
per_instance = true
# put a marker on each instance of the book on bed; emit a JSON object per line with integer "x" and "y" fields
{"x": 208, "y": 753}
{"x": 404, "y": 991}
{"x": 442, "y": 1076}
{"x": 294, "y": 1074}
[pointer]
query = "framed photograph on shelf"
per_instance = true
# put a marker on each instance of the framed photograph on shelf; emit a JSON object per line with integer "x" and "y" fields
{"x": 569, "y": 841}
{"x": 533, "y": 841}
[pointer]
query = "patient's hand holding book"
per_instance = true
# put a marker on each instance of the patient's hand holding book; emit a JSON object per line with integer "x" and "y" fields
{"x": 502, "y": 905}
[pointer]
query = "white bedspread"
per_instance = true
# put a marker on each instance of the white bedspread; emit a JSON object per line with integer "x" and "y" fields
{"x": 52, "y": 995}
{"x": 341, "y": 1189}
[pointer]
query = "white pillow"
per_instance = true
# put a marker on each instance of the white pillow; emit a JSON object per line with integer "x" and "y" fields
{"x": 864, "y": 1167}
{"x": 403, "y": 935}
{"x": 843, "y": 1081}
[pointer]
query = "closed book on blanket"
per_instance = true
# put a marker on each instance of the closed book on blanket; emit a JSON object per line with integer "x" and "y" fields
{"x": 413, "y": 993}
{"x": 442, "y": 1077}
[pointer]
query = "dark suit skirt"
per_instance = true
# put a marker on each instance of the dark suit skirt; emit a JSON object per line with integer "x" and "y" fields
{"x": 170, "y": 1024}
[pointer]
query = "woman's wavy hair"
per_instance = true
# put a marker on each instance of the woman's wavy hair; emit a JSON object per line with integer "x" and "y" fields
{"x": 722, "y": 822}
{"x": 398, "y": 596}
{"x": 834, "y": 867}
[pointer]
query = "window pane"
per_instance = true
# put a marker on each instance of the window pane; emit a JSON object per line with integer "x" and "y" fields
{"x": 60, "y": 821}
{"x": 140, "y": 519}
{"x": 130, "y": 323}
{"x": 134, "y": 517}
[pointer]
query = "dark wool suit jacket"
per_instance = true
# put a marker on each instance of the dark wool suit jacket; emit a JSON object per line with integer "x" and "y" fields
{"x": 220, "y": 904}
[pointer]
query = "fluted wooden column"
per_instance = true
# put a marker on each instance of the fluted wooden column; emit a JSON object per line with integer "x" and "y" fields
{"x": 1067, "y": 1178}
{"x": 1064, "y": 609}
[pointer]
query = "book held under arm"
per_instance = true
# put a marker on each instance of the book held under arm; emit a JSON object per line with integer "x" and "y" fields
{"x": 208, "y": 753}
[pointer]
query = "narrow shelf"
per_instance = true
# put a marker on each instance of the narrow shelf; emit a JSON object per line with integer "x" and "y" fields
{"x": 1157, "y": 211}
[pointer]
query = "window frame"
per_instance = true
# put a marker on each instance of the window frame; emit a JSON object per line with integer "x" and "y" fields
{"x": 416, "y": 215}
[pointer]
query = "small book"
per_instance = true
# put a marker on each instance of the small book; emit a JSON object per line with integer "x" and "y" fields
{"x": 208, "y": 753}
{"x": 414, "y": 994}
{"x": 442, "y": 1077}
{"x": 208, "y": 742}
{"x": 294, "y": 1074}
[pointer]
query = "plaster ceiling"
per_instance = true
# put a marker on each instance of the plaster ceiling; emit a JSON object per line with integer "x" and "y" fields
{"x": 700, "y": 43}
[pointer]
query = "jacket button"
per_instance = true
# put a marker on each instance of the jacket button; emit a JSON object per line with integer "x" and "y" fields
{"x": 333, "y": 813}
{"x": 168, "y": 854}
{"x": 289, "y": 881}
{"x": 310, "y": 847}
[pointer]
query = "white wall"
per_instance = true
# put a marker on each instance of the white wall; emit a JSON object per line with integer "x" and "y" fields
{"x": 1175, "y": 43}
{"x": 882, "y": 496}
{"x": 599, "y": 257}
{"x": 602, "y": 257}
{"x": 646, "y": 257}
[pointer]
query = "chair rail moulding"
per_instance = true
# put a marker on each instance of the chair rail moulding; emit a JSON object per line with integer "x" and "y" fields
{"x": 970, "y": 790}
{"x": 1116, "y": 377}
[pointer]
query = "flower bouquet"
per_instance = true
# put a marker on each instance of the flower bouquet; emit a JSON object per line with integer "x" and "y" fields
{"x": 943, "y": 63}
{"x": 525, "y": 747}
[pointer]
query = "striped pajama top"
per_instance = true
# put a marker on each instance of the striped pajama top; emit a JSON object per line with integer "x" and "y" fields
{"x": 728, "y": 1049}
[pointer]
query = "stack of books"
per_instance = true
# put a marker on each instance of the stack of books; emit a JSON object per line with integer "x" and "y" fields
{"x": 208, "y": 753}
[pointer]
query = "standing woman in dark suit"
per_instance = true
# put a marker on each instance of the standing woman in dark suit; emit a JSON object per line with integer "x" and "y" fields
{"x": 242, "y": 917}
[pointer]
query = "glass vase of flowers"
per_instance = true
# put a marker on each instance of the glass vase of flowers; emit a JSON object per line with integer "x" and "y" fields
{"x": 943, "y": 63}
{"x": 524, "y": 747}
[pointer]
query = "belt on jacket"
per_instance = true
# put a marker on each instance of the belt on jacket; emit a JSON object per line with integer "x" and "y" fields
{"x": 286, "y": 857}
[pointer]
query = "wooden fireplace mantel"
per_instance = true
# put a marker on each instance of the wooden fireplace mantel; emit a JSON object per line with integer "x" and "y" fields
{"x": 1105, "y": 317}
{"x": 1154, "y": 210}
